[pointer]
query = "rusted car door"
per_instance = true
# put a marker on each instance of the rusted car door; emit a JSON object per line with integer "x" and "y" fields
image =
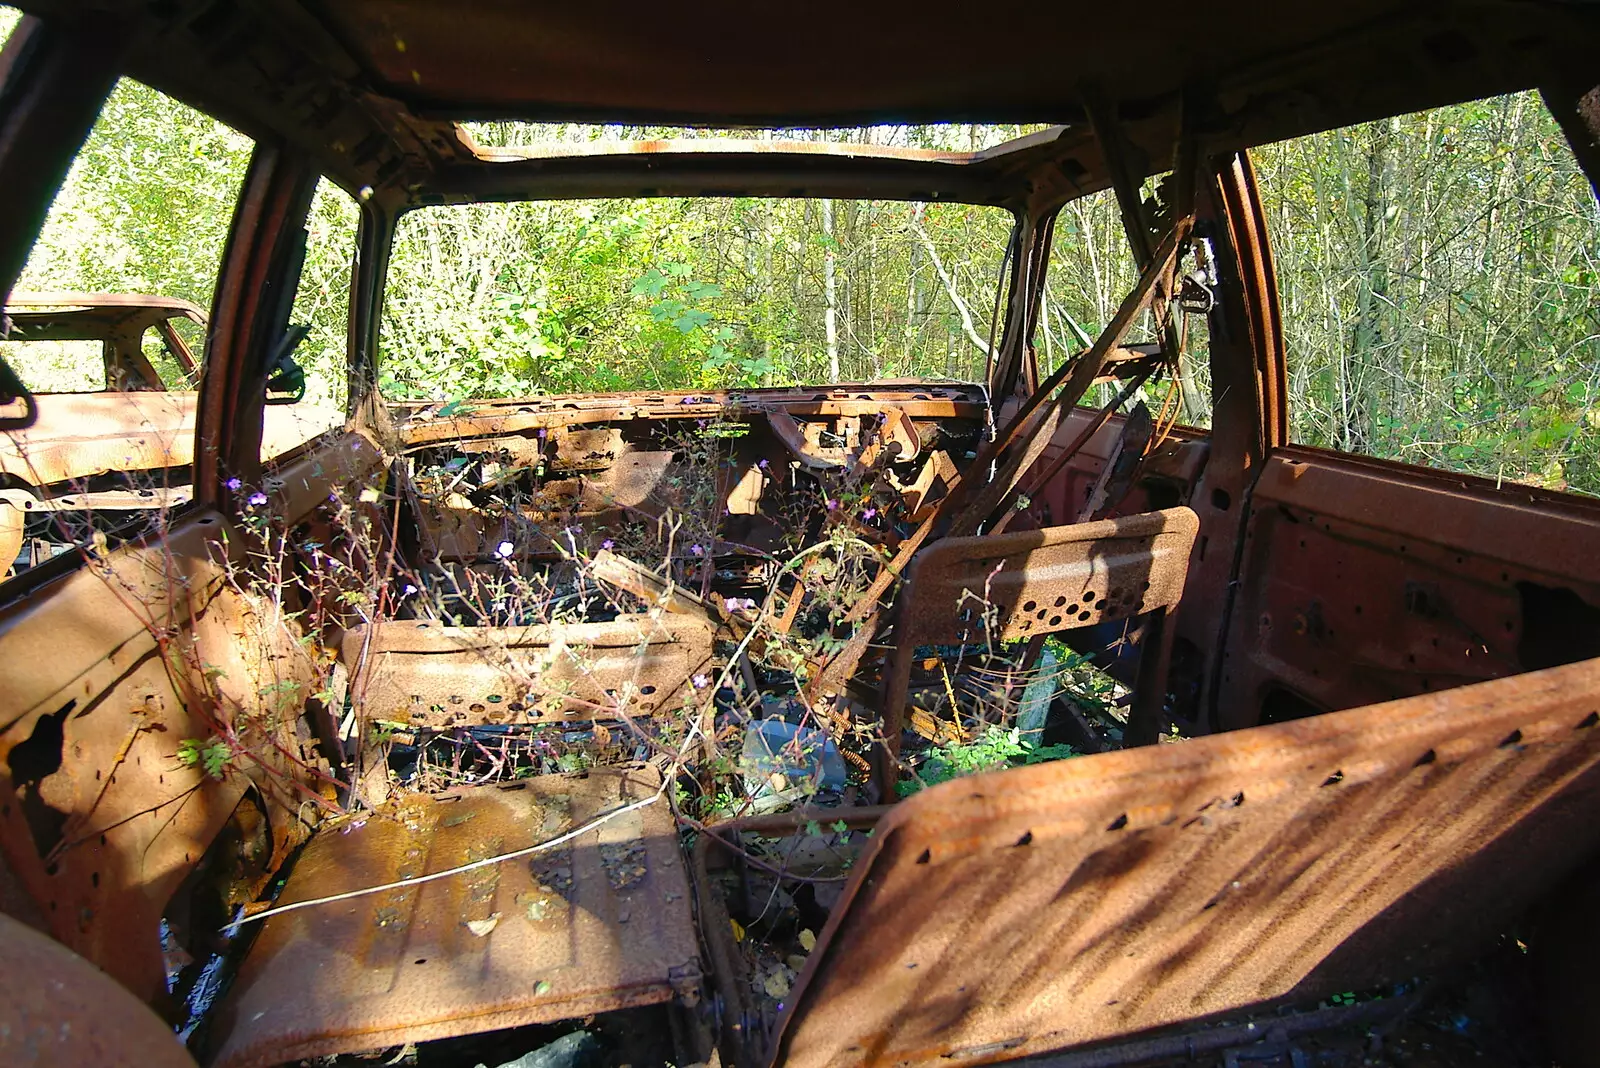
{"x": 105, "y": 648}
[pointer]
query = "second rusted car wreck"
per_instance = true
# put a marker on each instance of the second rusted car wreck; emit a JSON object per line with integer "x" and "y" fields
{"x": 1354, "y": 729}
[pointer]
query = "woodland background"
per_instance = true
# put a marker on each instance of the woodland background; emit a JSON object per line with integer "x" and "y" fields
{"x": 1438, "y": 275}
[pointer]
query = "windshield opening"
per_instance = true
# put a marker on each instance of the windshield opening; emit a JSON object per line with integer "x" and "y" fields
{"x": 502, "y": 300}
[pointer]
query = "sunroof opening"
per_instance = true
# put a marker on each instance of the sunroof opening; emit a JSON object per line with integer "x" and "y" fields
{"x": 943, "y": 137}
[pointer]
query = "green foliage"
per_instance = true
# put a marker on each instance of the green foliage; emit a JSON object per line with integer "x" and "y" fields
{"x": 995, "y": 748}
{"x": 677, "y": 293}
{"x": 213, "y": 755}
{"x": 1441, "y": 291}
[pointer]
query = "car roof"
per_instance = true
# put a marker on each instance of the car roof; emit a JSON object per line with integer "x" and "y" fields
{"x": 91, "y": 316}
{"x": 374, "y": 89}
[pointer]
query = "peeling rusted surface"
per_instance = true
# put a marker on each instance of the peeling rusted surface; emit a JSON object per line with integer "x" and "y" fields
{"x": 102, "y": 822}
{"x": 1043, "y": 907}
{"x": 428, "y": 675}
{"x": 600, "y": 923}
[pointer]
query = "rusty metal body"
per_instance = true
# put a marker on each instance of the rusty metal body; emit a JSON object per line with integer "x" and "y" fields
{"x": 102, "y": 823}
{"x": 1364, "y": 581}
{"x": 600, "y": 923}
{"x": 1016, "y": 913}
{"x": 81, "y": 435}
{"x": 1050, "y": 906}
{"x": 426, "y": 675}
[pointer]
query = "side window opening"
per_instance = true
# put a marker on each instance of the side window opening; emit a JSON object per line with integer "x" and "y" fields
{"x": 322, "y": 307}
{"x": 107, "y": 320}
{"x": 322, "y": 300}
{"x": 1439, "y": 281}
{"x": 1091, "y": 269}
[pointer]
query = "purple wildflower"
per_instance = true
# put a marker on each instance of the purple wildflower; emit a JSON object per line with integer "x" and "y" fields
{"x": 257, "y": 499}
{"x": 833, "y": 505}
{"x": 608, "y": 544}
{"x": 762, "y": 463}
{"x": 697, "y": 550}
{"x": 233, "y": 485}
{"x": 700, "y": 682}
{"x": 870, "y": 514}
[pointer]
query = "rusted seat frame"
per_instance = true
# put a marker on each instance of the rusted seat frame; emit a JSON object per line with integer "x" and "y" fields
{"x": 1036, "y": 582}
{"x": 1079, "y": 901}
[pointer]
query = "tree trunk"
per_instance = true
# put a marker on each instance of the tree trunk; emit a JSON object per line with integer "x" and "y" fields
{"x": 830, "y": 294}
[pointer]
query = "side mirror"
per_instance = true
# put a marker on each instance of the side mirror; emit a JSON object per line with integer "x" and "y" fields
{"x": 286, "y": 380}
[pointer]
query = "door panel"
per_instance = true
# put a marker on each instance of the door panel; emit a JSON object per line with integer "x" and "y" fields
{"x": 104, "y": 673}
{"x": 1363, "y": 581}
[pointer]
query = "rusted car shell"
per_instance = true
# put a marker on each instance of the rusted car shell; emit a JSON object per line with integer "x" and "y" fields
{"x": 144, "y": 434}
{"x": 119, "y": 321}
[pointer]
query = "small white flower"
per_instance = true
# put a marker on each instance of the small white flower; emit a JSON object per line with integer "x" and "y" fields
{"x": 505, "y": 550}
{"x": 409, "y": 590}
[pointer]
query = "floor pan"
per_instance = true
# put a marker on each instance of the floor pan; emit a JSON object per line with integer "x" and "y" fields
{"x": 601, "y": 922}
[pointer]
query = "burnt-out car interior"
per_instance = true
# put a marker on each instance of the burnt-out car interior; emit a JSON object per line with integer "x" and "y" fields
{"x": 628, "y": 728}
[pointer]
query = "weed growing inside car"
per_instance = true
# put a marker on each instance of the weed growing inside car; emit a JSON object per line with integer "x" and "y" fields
{"x": 522, "y": 554}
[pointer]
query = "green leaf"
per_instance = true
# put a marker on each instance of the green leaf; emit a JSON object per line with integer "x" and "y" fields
{"x": 691, "y": 320}
{"x": 652, "y": 284}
